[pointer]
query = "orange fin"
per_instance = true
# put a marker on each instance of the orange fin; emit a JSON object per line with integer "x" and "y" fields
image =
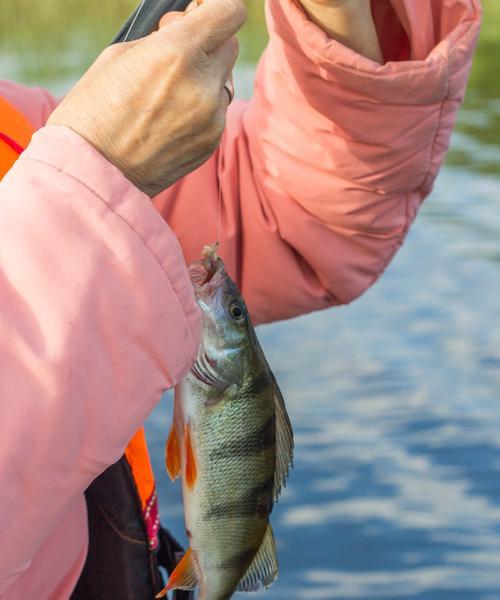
{"x": 191, "y": 469}
{"x": 183, "y": 577}
{"x": 173, "y": 455}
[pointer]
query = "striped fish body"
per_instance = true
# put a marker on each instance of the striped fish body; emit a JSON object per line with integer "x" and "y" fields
{"x": 227, "y": 509}
{"x": 232, "y": 443}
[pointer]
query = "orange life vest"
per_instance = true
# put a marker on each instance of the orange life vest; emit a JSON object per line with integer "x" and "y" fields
{"x": 15, "y": 135}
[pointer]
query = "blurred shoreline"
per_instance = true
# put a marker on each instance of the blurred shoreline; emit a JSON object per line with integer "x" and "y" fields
{"x": 54, "y": 44}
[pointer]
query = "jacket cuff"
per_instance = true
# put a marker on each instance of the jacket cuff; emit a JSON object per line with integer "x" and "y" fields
{"x": 69, "y": 153}
{"x": 425, "y": 81}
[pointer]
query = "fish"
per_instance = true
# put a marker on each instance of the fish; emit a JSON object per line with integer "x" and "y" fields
{"x": 231, "y": 441}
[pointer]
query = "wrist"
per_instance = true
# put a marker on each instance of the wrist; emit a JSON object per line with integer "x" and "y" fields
{"x": 347, "y": 8}
{"x": 349, "y": 22}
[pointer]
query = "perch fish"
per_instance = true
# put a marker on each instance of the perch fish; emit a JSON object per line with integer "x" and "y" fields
{"x": 232, "y": 442}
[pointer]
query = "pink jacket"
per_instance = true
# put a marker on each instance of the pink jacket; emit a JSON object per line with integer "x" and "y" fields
{"x": 320, "y": 175}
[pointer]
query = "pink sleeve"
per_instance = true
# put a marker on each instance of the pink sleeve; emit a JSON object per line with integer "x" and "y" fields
{"x": 322, "y": 173}
{"x": 98, "y": 318}
{"x": 35, "y": 103}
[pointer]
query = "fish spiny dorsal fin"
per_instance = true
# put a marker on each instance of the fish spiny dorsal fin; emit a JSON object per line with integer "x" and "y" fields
{"x": 183, "y": 576}
{"x": 284, "y": 442}
{"x": 173, "y": 454}
{"x": 264, "y": 569}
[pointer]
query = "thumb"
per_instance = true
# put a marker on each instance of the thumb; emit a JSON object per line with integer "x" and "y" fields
{"x": 169, "y": 17}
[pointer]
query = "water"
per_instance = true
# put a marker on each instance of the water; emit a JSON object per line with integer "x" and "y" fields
{"x": 394, "y": 400}
{"x": 395, "y": 492}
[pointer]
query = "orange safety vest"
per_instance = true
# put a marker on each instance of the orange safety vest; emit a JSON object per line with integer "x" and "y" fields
{"x": 15, "y": 135}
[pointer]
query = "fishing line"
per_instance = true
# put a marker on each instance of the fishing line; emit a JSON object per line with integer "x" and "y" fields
{"x": 219, "y": 214}
{"x": 141, "y": 6}
{"x": 219, "y": 209}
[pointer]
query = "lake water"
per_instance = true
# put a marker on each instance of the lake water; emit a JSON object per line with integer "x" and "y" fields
{"x": 395, "y": 404}
{"x": 394, "y": 400}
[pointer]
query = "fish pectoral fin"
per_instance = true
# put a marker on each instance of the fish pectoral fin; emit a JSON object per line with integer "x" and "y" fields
{"x": 284, "y": 442}
{"x": 264, "y": 569}
{"x": 183, "y": 576}
{"x": 191, "y": 473}
{"x": 173, "y": 455}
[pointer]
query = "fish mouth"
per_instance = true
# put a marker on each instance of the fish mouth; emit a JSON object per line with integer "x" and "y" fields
{"x": 206, "y": 273}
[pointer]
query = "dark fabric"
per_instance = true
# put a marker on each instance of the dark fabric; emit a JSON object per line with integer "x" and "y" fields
{"x": 119, "y": 562}
{"x": 392, "y": 36}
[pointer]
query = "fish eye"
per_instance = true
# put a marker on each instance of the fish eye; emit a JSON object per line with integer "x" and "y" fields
{"x": 236, "y": 311}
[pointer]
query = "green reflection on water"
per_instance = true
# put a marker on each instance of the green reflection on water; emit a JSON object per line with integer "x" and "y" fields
{"x": 479, "y": 121}
{"x": 57, "y": 41}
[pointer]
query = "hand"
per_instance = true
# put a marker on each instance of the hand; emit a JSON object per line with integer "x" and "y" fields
{"x": 156, "y": 107}
{"x": 350, "y": 22}
{"x": 339, "y": 3}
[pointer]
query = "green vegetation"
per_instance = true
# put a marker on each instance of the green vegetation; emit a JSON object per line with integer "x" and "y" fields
{"x": 51, "y": 42}
{"x": 59, "y": 39}
{"x": 479, "y": 119}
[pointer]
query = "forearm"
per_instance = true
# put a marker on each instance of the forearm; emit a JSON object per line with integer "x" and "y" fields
{"x": 321, "y": 174}
{"x": 98, "y": 318}
{"x": 350, "y": 22}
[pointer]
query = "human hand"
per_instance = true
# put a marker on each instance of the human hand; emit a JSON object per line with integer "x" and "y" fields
{"x": 350, "y": 22}
{"x": 340, "y": 3}
{"x": 350, "y": 6}
{"x": 156, "y": 107}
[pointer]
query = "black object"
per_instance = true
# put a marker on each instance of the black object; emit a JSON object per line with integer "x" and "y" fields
{"x": 120, "y": 564}
{"x": 146, "y": 17}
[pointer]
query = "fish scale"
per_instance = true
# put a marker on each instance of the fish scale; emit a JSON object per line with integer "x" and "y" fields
{"x": 239, "y": 523}
{"x": 227, "y": 479}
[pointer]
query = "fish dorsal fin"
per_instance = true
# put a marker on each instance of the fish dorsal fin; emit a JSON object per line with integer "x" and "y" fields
{"x": 263, "y": 571}
{"x": 183, "y": 576}
{"x": 284, "y": 442}
{"x": 173, "y": 454}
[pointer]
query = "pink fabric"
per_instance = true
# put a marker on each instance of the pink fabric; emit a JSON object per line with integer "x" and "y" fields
{"x": 98, "y": 320}
{"x": 35, "y": 103}
{"x": 322, "y": 173}
{"x": 320, "y": 176}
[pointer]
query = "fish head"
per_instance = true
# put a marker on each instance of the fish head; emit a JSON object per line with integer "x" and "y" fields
{"x": 227, "y": 332}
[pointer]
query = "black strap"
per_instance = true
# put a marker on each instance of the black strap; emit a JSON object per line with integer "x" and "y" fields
{"x": 119, "y": 562}
{"x": 146, "y": 17}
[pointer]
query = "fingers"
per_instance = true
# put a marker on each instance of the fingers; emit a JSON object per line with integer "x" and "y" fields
{"x": 214, "y": 22}
{"x": 169, "y": 17}
{"x": 207, "y": 24}
{"x": 176, "y": 14}
{"x": 192, "y": 5}
{"x": 222, "y": 62}
{"x": 223, "y": 56}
